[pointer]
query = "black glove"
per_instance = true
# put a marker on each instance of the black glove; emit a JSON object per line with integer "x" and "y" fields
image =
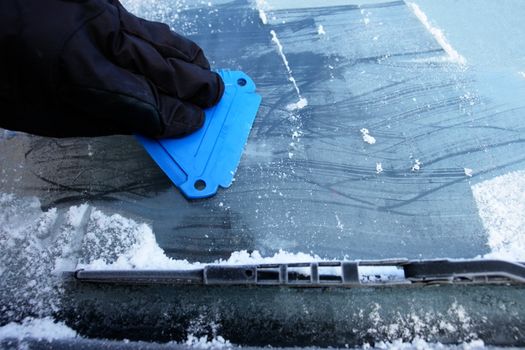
{"x": 90, "y": 68}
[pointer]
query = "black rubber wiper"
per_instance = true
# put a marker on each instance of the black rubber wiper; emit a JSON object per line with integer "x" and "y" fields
{"x": 323, "y": 274}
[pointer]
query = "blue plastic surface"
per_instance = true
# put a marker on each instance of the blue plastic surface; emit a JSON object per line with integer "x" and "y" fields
{"x": 201, "y": 162}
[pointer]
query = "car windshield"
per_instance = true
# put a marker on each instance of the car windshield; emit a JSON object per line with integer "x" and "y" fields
{"x": 378, "y": 137}
{"x": 387, "y": 129}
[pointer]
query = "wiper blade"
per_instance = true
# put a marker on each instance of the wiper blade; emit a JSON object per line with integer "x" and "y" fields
{"x": 465, "y": 271}
{"x": 323, "y": 274}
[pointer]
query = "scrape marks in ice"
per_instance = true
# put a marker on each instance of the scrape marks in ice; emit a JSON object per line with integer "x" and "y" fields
{"x": 292, "y": 107}
{"x": 303, "y": 102}
{"x": 501, "y": 204}
{"x": 453, "y": 55}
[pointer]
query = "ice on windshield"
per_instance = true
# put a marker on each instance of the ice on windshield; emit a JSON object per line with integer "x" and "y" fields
{"x": 380, "y": 134}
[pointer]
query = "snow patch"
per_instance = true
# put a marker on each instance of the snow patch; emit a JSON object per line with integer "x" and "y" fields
{"x": 7, "y": 134}
{"x": 203, "y": 342}
{"x": 380, "y": 274}
{"x": 367, "y": 137}
{"x": 501, "y": 204}
{"x": 453, "y": 55}
{"x": 262, "y": 6}
{"x": 420, "y": 344}
{"x": 379, "y": 168}
{"x": 147, "y": 255}
{"x": 303, "y": 102}
{"x": 76, "y": 213}
{"x": 115, "y": 242}
{"x": 244, "y": 257}
{"x": 32, "y": 241}
{"x": 37, "y": 328}
{"x": 455, "y": 322}
{"x": 416, "y": 166}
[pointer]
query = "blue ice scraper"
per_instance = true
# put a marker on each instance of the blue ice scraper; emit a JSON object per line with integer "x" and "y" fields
{"x": 201, "y": 162}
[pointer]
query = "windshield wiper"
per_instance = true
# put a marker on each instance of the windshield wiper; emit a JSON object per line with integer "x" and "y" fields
{"x": 323, "y": 274}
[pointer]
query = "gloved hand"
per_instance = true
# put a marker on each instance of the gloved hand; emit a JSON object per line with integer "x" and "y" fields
{"x": 90, "y": 68}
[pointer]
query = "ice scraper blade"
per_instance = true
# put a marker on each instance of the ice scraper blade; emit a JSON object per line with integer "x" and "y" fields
{"x": 201, "y": 162}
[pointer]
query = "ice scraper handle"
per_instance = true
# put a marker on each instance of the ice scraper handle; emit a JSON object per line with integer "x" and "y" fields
{"x": 91, "y": 68}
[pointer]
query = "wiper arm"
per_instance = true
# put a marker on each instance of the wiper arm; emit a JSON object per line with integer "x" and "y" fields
{"x": 323, "y": 274}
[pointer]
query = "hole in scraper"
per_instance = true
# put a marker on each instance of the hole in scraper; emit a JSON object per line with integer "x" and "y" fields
{"x": 241, "y": 82}
{"x": 199, "y": 185}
